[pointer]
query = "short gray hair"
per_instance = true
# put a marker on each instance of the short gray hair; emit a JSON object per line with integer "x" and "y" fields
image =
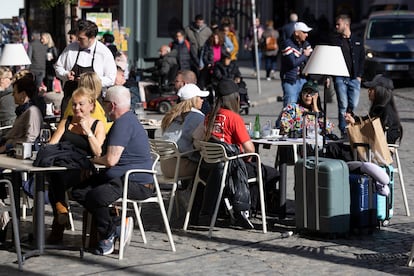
{"x": 119, "y": 95}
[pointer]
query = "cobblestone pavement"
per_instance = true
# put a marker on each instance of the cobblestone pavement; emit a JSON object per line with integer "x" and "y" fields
{"x": 234, "y": 251}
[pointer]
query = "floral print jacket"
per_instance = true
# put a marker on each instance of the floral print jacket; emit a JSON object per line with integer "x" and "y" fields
{"x": 291, "y": 120}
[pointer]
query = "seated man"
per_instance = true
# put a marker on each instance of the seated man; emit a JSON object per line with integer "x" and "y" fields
{"x": 127, "y": 147}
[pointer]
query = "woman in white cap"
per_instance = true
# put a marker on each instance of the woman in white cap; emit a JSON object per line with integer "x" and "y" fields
{"x": 179, "y": 124}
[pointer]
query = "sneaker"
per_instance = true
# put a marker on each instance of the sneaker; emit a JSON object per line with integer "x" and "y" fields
{"x": 243, "y": 220}
{"x": 106, "y": 247}
{"x": 129, "y": 227}
{"x": 268, "y": 79}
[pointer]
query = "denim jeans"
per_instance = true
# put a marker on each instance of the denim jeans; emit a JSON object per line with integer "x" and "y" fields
{"x": 270, "y": 64}
{"x": 291, "y": 91}
{"x": 347, "y": 94}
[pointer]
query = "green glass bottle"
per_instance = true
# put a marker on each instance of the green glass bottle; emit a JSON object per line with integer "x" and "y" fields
{"x": 256, "y": 127}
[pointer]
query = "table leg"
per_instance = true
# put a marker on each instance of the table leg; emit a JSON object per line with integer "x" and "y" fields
{"x": 283, "y": 156}
{"x": 39, "y": 229}
{"x": 16, "y": 179}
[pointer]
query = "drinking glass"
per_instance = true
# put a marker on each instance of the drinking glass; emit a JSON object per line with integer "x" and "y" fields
{"x": 45, "y": 135}
{"x": 139, "y": 111}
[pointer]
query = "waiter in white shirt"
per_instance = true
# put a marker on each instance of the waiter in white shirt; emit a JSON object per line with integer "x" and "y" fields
{"x": 85, "y": 55}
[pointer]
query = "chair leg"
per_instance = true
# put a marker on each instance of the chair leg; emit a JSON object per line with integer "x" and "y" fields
{"x": 25, "y": 205}
{"x": 15, "y": 223}
{"x": 139, "y": 221}
{"x": 400, "y": 175}
{"x": 166, "y": 222}
{"x": 411, "y": 257}
{"x": 190, "y": 203}
{"x": 213, "y": 219}
{"x": 72, "y": 224}
{"x": 262, "y": 199}
{"x": 172, "y": 200}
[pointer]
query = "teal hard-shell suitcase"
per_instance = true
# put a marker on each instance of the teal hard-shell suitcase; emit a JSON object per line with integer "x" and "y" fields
{"x": 322, "y": 194}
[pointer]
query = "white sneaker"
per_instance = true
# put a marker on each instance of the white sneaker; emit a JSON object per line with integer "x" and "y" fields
{"x": 268, "y": 79}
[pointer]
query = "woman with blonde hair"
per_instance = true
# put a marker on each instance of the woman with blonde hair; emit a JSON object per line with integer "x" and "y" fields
{"x": 85, "y": 133}
{"x": 92, "y": 81}
{"x": 51, "y": 57}
{"x": 179, "y": 124}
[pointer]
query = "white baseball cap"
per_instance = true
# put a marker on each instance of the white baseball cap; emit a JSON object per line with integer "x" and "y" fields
{"x": 300, "y": 26}
{"x": 191, "y": 90}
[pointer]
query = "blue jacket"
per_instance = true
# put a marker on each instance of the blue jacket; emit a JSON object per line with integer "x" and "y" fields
{"x": 292, "y": 60}
{"x": 357, "y": 54}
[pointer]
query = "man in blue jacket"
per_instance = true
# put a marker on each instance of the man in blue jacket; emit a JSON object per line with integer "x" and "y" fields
{"x": 348, "y": 88}
{"x": 295, "y": 53}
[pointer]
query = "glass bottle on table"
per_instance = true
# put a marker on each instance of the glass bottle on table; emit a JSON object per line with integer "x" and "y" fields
{"x": 257, "y": 128}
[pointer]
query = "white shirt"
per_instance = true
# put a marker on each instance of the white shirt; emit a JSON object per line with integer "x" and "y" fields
{"x": 104, "y": 63}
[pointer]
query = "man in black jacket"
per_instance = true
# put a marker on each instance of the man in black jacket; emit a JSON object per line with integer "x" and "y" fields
{"x": 348, "y": 88}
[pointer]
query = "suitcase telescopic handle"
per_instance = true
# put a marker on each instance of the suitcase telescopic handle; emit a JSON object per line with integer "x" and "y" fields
{"x": 305, "y": 215}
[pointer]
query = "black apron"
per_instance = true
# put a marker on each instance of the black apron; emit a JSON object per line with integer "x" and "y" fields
{"x": 72, "y": 85}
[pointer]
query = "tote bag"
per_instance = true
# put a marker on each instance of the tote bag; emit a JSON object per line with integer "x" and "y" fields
{"x": 370, "y": 132}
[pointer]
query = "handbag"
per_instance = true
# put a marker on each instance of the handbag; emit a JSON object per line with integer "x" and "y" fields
{"x": 57, "y": 86}
{"x": 370, "y": 132}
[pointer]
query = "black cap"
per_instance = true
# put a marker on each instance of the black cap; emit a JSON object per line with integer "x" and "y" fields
{"x": 380, "y": 80}
{"x": 227, "y": 87}
{"x": 311, "y": 85}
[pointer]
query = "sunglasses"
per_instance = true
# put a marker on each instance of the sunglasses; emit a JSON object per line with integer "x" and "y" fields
{"x": 308, "y": 93}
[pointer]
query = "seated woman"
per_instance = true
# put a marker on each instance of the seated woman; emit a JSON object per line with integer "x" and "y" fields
{"x": 179, "y": 124}
{"x": 29, "y": 120}
{"x": 225, "y": 124}
{"x": 7, "y": 106}
{"x": 92, "y": 81}
{"x": 291, "y": 122}
{"x": 86, "y": 133}
{"x": 383, "y": 107}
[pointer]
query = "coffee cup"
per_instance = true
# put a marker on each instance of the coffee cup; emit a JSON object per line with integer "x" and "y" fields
{"x": 275, "y": 132}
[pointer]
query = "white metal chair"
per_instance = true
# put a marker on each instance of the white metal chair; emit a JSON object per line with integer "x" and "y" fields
{"x": 169, "y": 150}
{"x": 394, "y": 149}
{"x": 157, "y": 198}
{"x": 215, "y": 153}
{"x": 15, "y": 220}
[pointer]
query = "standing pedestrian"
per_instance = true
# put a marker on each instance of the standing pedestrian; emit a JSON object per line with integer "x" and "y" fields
{"x": 295, "y": 54}
{"x": 288, "y": 29}
{"x": 197, "y": 33}
{"x": 249, "y": 43}
{"x": 182, "y": 46}
{"x": 270, "y": 48}
{"x": 348, "y": 88}
{"x": 51, "y": 57}
{"x": 37, "y": 54}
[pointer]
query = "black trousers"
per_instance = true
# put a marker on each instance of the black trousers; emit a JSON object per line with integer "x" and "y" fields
{"x": 96, "y": 194}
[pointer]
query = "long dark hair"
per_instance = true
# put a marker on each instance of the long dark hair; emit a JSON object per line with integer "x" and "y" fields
{"x": 383, "y": 98}
{"x": 230, "y": 102}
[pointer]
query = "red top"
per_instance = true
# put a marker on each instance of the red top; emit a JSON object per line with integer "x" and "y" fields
{"x": 229, "y": 127}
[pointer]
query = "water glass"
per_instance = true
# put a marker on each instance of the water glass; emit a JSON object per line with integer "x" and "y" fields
{"x": 139, "y": 111}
